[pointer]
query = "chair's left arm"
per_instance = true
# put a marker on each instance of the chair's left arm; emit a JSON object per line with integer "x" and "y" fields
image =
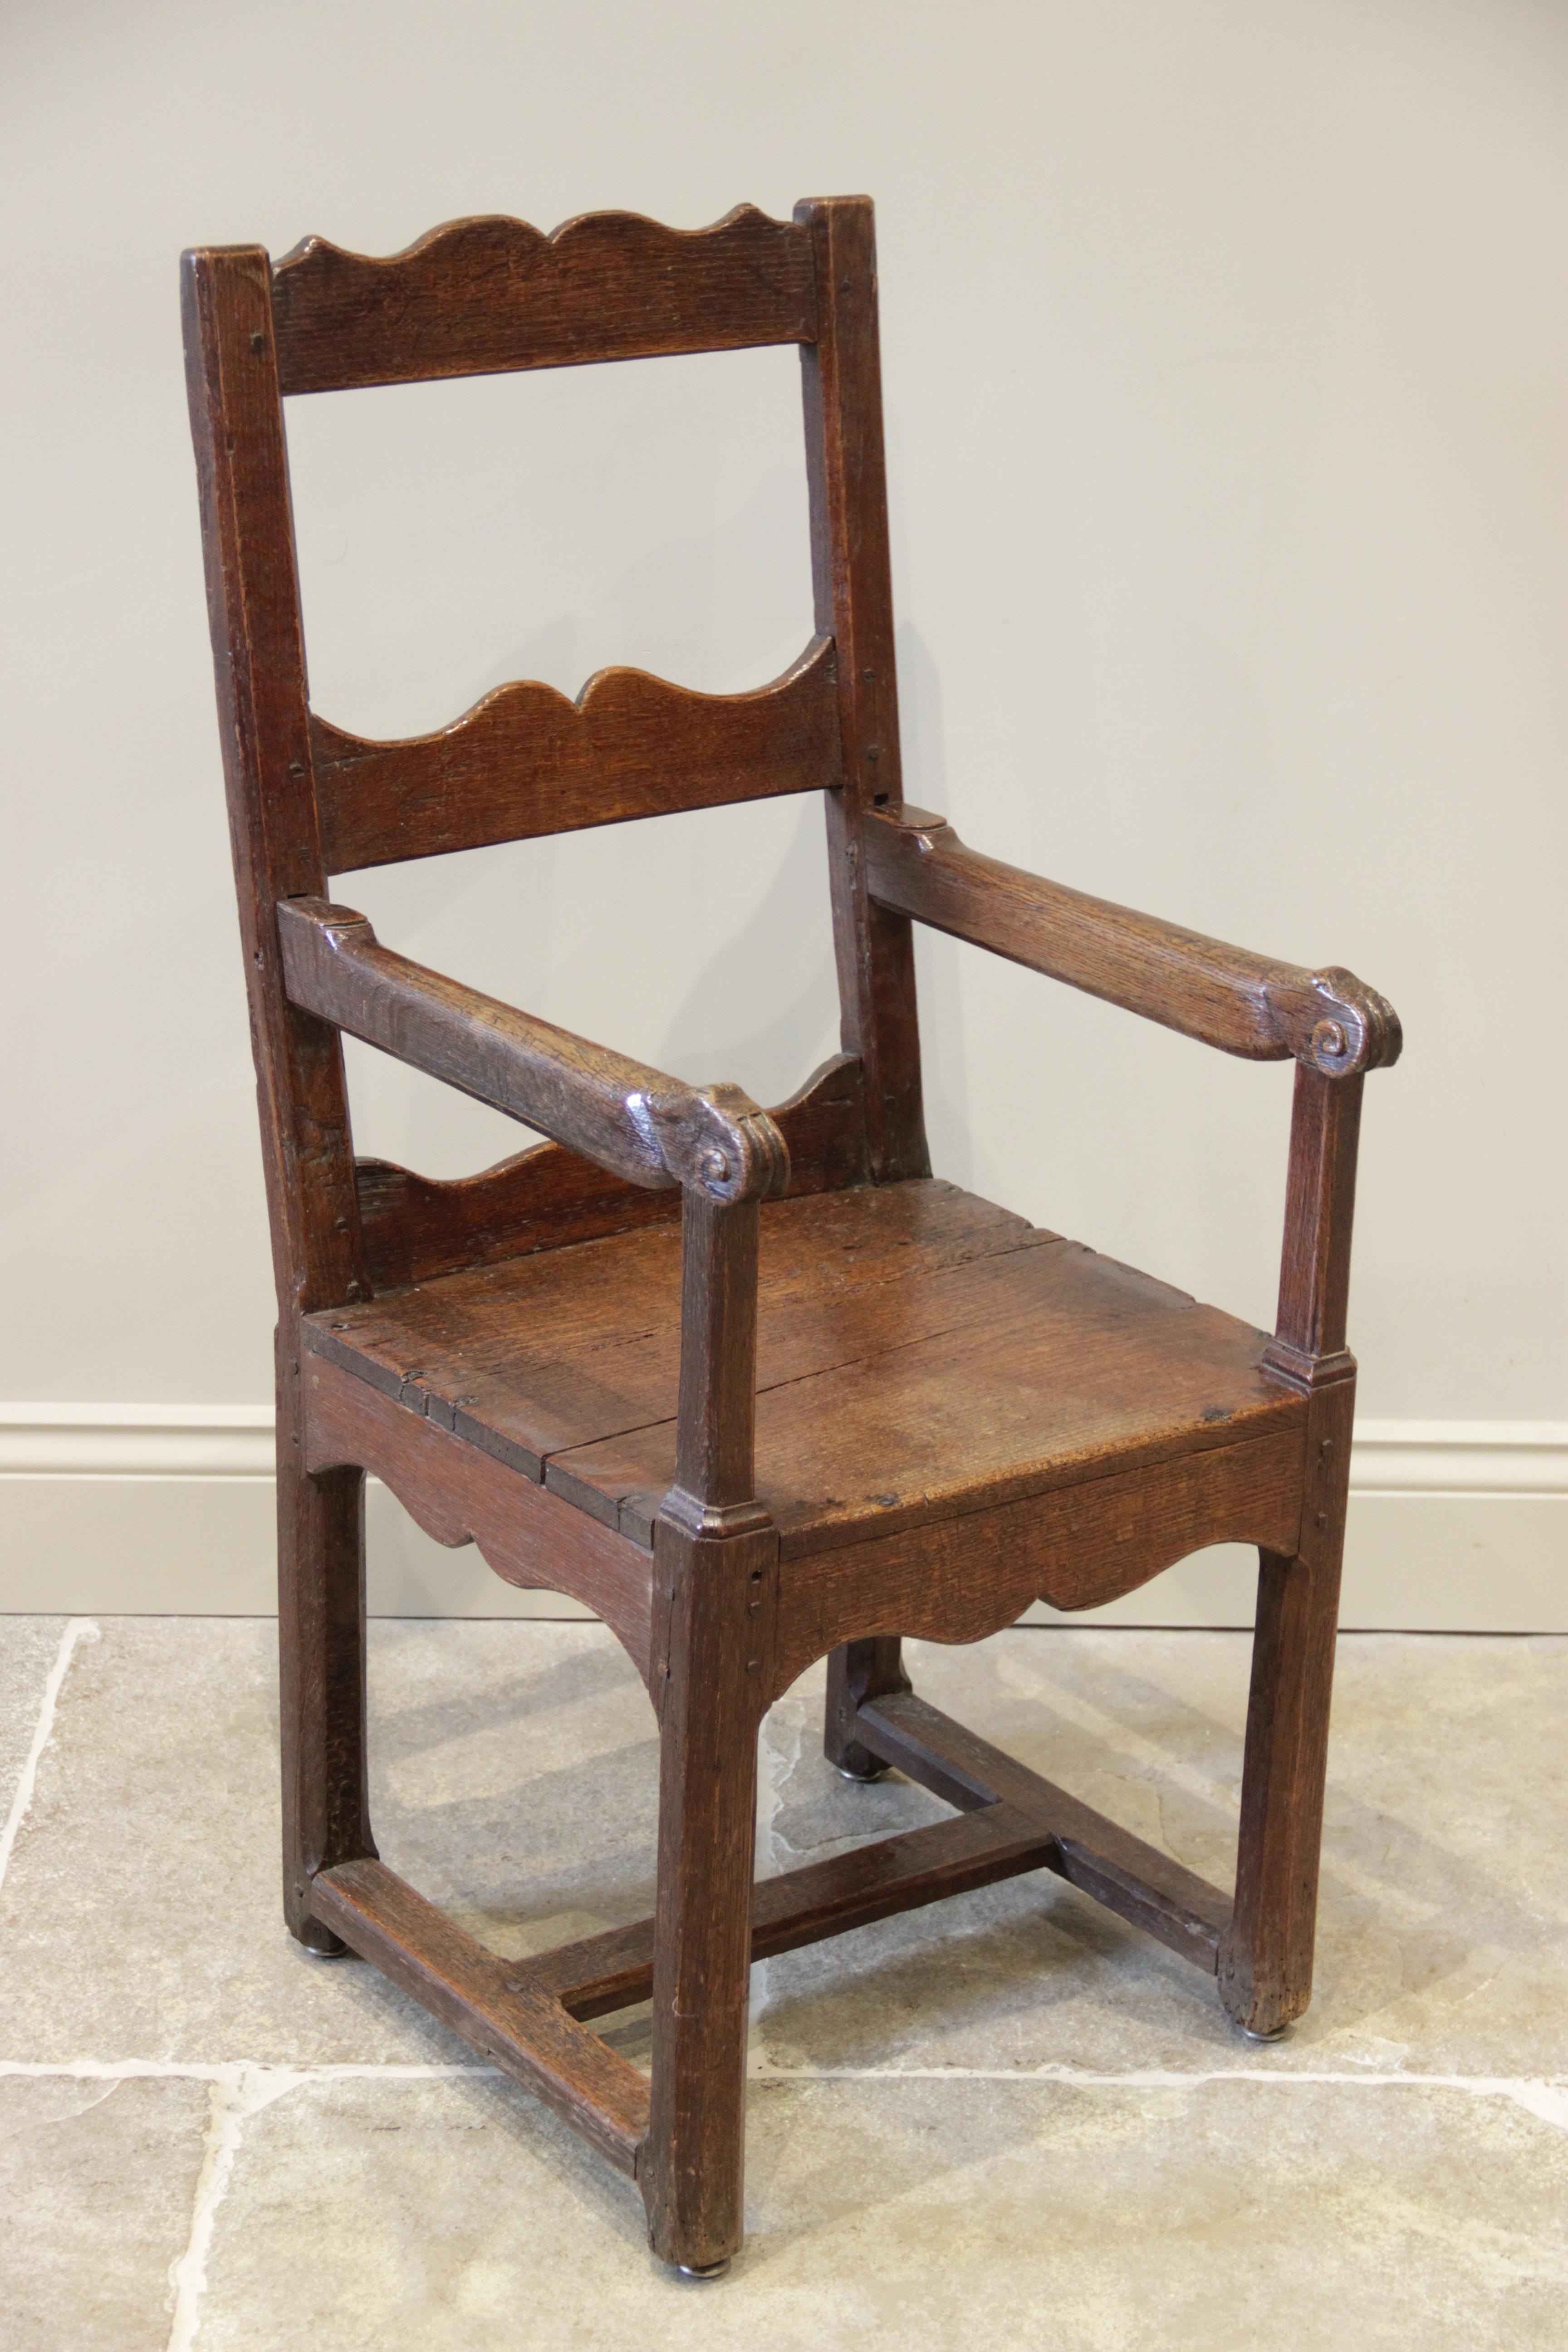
{"x": 724, "y": 1153}
{"x": 1334, "y": 1025}
{"x": 1245, "y": 1003}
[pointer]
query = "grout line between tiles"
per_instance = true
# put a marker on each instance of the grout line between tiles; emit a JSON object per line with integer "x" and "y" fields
{"x": 79, "y": 1630}
{"x": 238, "y": 2093}
{"x": 239, "y": 2090}
{"x": 1544, "y": 2096}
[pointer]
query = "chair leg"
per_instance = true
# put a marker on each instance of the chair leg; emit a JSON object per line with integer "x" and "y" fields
{"x": 322, "y": 1670}
{"x": 692, "y": 2171}
{"x": 856, "y": 1673}
{"x": 1266, "y": 1957}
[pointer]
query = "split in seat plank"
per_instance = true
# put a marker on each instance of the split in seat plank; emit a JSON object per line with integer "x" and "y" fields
{"x": 921, "y": 1354}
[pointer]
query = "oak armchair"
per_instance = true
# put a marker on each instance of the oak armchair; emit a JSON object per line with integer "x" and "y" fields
{"x": 752, "y": 1383}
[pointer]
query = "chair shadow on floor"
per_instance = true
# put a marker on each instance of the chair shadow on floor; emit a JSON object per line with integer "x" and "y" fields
{"x": 527, "y": 1811}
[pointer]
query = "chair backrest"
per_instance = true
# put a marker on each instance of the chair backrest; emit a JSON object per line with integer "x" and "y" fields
{"x": 307, "y": 799}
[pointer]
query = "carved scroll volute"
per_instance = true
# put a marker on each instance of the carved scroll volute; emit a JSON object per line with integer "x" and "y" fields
{"x": 717, "y": 1142}
{"x": 1333, "y": 1023}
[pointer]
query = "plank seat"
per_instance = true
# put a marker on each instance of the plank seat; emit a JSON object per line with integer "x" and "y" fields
{"x": 921, "y": 1354}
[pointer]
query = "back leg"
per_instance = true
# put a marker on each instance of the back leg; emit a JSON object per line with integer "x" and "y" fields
{"x": 322, "y": 1670}
{"x": 856, "y": 1673}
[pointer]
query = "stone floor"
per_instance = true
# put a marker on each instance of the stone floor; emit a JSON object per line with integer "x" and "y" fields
{"x": 1005, "y": 2121}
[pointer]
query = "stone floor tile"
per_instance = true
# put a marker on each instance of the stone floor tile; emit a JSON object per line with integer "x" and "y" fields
{"x": 96, "y": 2184}
{"x": 28, "y": 1648}
{"x": 1435, "y": 1953}
{"x": 514, "y": 1780}
{"x": 909, "y": 2213}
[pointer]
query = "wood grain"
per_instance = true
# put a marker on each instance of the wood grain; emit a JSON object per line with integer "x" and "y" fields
{"x": 1146, "y": 1886}
{"x": 492, "y": 2003}
{"x": 904, "y": 1873}
{"x": 959, "y": 1578}
{"x": 489, "y": 294}
{"x": 1012, "y": 1821}
{"x": 553, "y": 1348}
{"x": 258, "y": 659}
{"x": 927, "y": 1395}
{"x": 460, "y": 1494}
{"x": 714, "y": 1630}
{"x": 714, "y": 1489}
{"x": 858, "y": 1672}
{"x": 528, "y": 761}
{"x": 630, "y": 1119}
{"x": 1244, "y": 1003}
{"x": 1308, "y": 1344}
{"x": 417, "y": 1227}
{"x": 817, "y": 1422}
{"x": 851, "y": 567}
{"x": 1266, "y": 1964}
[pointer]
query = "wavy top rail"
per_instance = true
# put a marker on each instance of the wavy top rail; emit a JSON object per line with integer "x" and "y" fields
{"x": 527, "y": 761}
{"x": 486, "y": 295}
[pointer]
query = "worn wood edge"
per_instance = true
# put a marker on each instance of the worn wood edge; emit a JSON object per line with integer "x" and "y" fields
{"x": 956, "y": 1578}
{"x": 325, "y": 295}
{"x": 418, "y": 1228}
{"x": 446, "y": 786}
{"x": 1244, "y": 1003}
{"x": 460, "y": 1493}
{"x": 493, "y": 2003}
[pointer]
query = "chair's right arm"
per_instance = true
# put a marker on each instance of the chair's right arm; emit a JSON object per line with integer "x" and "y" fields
{"x": 617, "y": 1112}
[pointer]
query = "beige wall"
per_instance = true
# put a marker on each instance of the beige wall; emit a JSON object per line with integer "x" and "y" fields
{"x": 1226, "y": 352}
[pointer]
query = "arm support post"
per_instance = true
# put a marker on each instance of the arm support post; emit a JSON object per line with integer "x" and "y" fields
{"x": 715, "y": 1468}
{"x": 1308, "y": 1344}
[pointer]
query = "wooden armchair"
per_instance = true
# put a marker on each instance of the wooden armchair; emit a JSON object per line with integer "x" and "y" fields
{"x": 751, "y": 1384}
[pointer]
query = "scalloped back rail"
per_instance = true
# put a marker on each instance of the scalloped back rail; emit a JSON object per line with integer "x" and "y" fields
{"x": 486, "y": 295}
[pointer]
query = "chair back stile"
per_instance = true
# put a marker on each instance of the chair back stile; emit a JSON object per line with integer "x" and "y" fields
{"x": 259, "y": 649}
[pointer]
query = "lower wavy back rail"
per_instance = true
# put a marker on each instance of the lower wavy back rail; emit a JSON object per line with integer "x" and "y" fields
{"x": 483, "y": 296}
{"x": 527, "y": 761}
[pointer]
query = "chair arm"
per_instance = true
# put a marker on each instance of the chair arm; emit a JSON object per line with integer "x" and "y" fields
{"x": 1224, "y": 996}
{"x": 615, "y": 1111}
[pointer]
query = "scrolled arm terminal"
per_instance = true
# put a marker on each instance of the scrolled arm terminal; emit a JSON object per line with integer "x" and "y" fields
{"x": 1333, "y": 1021}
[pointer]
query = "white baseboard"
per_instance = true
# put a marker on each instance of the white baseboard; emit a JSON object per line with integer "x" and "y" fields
{"x": 166, "y": 1510}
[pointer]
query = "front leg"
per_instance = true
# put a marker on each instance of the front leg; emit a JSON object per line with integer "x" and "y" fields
{"x": 719, "y": 1600}
{"x": 1265, "y": 1959}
